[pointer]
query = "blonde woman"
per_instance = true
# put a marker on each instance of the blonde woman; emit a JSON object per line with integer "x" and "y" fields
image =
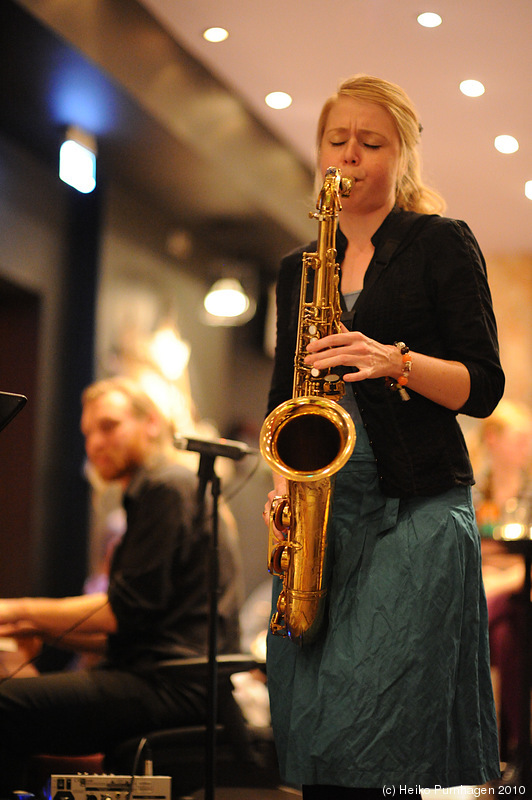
{"x": 397, "y": 691}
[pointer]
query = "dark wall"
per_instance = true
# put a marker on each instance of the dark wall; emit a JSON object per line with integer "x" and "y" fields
{"x": 51, "y": 249}
{"x": 20, "y": 321}
{"x": 48, "y": 278}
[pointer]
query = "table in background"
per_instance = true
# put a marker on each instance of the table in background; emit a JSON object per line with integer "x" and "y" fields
{"x": 524, "y": 747}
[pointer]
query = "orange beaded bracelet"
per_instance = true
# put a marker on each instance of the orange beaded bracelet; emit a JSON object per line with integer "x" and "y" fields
{"x": 402, "y": 380}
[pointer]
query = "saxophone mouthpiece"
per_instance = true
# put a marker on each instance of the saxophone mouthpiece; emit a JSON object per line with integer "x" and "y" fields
{"x": 346, "y": 184}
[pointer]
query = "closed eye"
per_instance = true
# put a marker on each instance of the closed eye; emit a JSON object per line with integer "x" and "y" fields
{"x": 364, "y": 144}
{"x": 108, "y": 425}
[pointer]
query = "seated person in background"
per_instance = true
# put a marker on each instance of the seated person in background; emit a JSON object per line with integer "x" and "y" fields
{"x": 502, "y": 458}
{"x": 155, "y": 608}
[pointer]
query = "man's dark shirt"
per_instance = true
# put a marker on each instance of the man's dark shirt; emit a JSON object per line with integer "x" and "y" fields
{"x": 158, "y": 587}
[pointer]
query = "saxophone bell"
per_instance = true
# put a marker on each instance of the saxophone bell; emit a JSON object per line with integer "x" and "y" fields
{"x": 307, "y": 439}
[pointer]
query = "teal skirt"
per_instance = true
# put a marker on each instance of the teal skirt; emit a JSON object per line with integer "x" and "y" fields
{"x": 397, "y": 691}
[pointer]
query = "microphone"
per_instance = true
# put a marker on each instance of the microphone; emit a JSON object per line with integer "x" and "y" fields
{"x": 227, "y": 448}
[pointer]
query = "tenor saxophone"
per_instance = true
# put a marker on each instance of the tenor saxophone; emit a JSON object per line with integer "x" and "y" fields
{"x": 308, "y": 438}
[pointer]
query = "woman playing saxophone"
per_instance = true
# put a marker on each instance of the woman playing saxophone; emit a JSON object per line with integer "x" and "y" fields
{"x": 396, "y": 690}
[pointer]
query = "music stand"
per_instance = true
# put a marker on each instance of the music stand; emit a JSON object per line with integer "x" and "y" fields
{"x": 10, "y": 405}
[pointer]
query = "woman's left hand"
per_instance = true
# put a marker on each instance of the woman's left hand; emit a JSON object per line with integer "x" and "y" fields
{"x": 353, "y": 349}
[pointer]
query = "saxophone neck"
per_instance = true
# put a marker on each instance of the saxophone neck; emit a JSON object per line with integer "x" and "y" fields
{"x": 334, "y": 187}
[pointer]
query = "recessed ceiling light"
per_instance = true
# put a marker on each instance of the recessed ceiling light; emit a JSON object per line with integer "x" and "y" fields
{"x": 429, "y": 19}
{"x": 278, "y": 100}
{"x": 506, "y": 144}
{"x": 472, "y": 88}
{"x": 215, "y": 34}
{"x": 528, "y": 189}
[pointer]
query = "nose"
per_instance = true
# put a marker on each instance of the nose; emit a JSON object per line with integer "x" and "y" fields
{"x": 351, "y": 154}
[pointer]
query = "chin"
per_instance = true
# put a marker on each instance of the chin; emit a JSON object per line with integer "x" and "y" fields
{"x": 107, "y": 473}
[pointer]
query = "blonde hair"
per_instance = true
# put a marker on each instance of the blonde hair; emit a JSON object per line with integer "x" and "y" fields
{"x": 141, "y": 403}
{"x": 508, "y": 415}
{"x": 411, "y": 194}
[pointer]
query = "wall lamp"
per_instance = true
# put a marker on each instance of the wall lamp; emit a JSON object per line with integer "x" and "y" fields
{"x": 169, "y": 352}
{"x": 77, "y": 160}
{"x": 227, "y": 303}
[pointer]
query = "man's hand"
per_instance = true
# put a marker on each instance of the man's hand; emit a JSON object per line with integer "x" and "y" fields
{"x": 12, "y": 621}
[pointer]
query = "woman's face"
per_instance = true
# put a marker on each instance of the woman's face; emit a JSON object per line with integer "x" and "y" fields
{"x": 360, "y": 139}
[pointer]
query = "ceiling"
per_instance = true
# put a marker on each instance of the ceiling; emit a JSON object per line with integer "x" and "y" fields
{"x": 305, "y": 47}
{"x": 185, "y": 121}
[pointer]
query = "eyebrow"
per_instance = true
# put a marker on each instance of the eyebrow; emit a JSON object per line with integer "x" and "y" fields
{"x": 363, "y": 131}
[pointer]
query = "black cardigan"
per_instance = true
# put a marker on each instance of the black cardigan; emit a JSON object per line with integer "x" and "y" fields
{"x": 427, "y": 286}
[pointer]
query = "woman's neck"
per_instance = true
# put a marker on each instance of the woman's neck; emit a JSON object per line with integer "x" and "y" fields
{"x": 358, "y": 230}
{"x": 354, "y": 266}
{"x": 360, "y": 227}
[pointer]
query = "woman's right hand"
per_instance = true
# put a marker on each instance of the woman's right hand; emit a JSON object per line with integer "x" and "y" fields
{"x": 279, "y": 491}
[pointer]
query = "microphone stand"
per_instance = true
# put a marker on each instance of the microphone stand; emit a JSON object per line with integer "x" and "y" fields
{"x": 206, "y": 475}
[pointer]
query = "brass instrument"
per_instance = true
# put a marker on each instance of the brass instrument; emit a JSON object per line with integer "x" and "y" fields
{"x": 308, "y": 438}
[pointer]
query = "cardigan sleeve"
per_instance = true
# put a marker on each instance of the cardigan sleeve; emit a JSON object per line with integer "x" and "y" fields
{"x": 464, "y": 313}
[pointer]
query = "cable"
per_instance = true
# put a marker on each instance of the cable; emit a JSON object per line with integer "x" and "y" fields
{"x": 240, "y": 485}
{"x": 54, "y": 641}
{"x": 148, "y": 763}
